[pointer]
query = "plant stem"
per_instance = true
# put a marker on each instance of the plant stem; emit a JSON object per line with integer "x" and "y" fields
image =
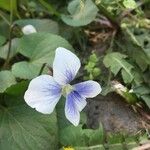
{"x": 49, "y": 7}
{"x": 108, "y": 15}
{"x": 10, "y": 36}
{"x": 109, "y": 51}
{"x": 4, "y": 18}
{"x": 42, "y": 68}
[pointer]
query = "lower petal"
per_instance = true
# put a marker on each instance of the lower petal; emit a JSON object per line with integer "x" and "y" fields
{"x": 71, "y": 111}
{"x": 88, "y": 89}
{"x": 43, "y": 94}
{"x": 74, "y": 104}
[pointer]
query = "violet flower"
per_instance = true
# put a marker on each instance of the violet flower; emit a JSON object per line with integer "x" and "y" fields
{"x": 45, "y": 91}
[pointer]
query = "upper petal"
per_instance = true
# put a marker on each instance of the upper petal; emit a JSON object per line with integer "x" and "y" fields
{"x": 43, "y": 94}
{"x": 65, "y": 66}
{"x": 74, "y": 104}
{"x": 88, "y": 89}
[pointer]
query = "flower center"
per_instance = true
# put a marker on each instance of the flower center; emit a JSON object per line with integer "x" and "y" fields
{"x": 67, "y": 89}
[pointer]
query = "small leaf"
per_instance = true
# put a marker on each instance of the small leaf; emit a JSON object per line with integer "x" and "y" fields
{"x": 6, "y": 80}
{"x": 82, "y": 12}
{"x": 131, "y": 4}
{"x": 116, "y": 61}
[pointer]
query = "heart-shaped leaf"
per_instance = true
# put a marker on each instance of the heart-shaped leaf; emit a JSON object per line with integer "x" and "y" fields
{"x": 39, "y": 48}
{"x": 81, "y": 13}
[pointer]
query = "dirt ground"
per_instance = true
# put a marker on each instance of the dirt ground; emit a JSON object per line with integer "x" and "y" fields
{"x": 114, "y": 113}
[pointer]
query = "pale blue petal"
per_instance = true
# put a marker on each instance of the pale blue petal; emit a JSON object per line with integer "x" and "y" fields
{"x": 74, "y": 104}
{"x": 88, "y": 89}
{"x": 43, "y": 94}
{"x": 65, "y": 66}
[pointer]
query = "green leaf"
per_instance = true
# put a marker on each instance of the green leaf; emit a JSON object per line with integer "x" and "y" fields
{"x": 138, "y": 46}
{"x": 146, "y": 98}
{"x": 4, "y": 49}
{"x": 17, "y": 89}
{"x": 116, "y": 62}
{"x": 141, "y": 90}
{"x": 8, "y": 5}
{"x": 39, "y": 48}
{"x": 22, "y": 127}
{"x": 82, "y": 12}
{"x": 41, "y": 25}
{"x": 4, "y": 27}
{"x": 131, "y": 4}
{"x": 6, "y": 80}
{"x": 2, "y": 40}
{"x": 26, "y": 70}
{"x": 76, "y": 136}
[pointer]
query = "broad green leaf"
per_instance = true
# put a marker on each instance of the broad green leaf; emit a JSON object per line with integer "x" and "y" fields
{"x": 4, "y": 49}
{"x": 17, "y": 89}
{"x": 61, "y": 118}
{"x": 82, "y": 12}
{"x": 22, "y": 127}
{"x": 6, "y": 80}
{"x": 25, "y": 70}
{"x": 116, "y": 62}
{"x": 39, "y": 48}
{"x": 2, "y": 40}
{"x": 131, "y": 4}
{"x": 76, "y": 136}
{"x": 41, "y": 25}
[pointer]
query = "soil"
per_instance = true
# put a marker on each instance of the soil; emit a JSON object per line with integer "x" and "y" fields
{"x": 114, "y": 113}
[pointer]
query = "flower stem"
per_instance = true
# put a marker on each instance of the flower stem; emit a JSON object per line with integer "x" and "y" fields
{"x": 42, "y": 68}
{"x": 6, "y": 64}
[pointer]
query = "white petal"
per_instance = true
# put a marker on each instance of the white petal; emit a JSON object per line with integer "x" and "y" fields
{"x": 71, "y": 110}
{"x": 43, "y": 94}
{"x": 65, "y": 66}
{"x": 79, "y": 101}
{"x": 28, "y": 29}
{"x": 88, "y": 89}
